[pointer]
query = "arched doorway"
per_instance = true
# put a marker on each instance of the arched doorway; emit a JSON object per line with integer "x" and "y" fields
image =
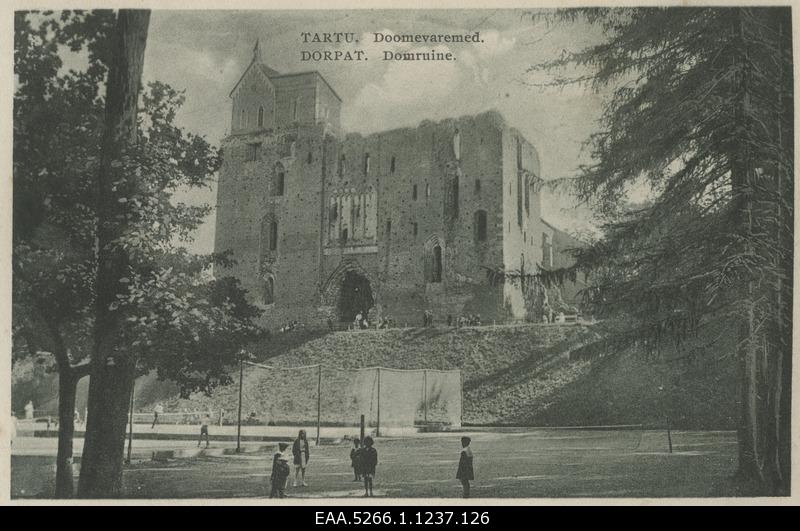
{"x": 355, "y": 295}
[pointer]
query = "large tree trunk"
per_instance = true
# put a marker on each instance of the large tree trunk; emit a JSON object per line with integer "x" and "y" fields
{"x": 765, "y": 351}
{"x": 67, "y": 387}
{"x": 113, "y": 365}
{"x": 778, "y": 350}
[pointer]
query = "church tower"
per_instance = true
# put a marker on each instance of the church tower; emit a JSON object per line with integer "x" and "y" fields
{"x": 269, "y": 193}
{"x": 265, "y": 99}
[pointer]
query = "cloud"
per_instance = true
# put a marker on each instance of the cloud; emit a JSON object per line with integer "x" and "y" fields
{"x": 405, "y": 92}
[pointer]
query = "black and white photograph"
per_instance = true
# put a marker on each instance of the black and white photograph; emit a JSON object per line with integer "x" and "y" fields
{"x": 303, "y": 253}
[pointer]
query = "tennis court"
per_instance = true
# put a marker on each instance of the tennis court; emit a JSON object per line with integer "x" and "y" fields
{"x": 533, "y": 463}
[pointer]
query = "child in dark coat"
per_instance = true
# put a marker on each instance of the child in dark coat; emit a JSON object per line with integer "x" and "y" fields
{"x": 465, "y": 472}
{"x": 355, "y": 459}
{"x": 280, "y": 472}
{"x": 369, "y": 460}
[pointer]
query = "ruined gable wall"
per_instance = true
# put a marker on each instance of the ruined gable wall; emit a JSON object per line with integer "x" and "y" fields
{"x": 522, "y": 228}
{"x": 424, "y": 157}
{"x": 394, "y": 259}
{"x": 254, "y": 90}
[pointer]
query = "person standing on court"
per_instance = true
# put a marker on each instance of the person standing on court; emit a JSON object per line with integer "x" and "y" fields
{"x": 369, "y": 460}
{"x": 280, "y": 472}
{"x": 159, "y": 409}
{"x": 204, "y": 429}
{"x": 355, "y": 459}
{"x": 301, "y": 455}
{"x": 465, "y": 471}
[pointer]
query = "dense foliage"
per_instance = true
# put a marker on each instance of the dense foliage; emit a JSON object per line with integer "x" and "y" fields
{"x": 171, "y": 313}
{"x": 701, "y": 117}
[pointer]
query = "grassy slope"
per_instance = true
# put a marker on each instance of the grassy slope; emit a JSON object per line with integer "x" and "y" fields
{"x": 515, "y": 375}
{"x": 693, "y": 392}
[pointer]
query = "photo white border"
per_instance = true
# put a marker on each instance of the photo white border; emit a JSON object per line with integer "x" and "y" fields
{"x": 6, "y": 102}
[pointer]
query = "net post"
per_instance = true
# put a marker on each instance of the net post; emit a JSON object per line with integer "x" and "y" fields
{"x": 461, "y": 394}
{"x": 319, "y": 399}
{"x": 130, "y": 425}
{"x": 378, "y": 426}
{"x": 239, "y": 415}
{"x": 363, "y": 427}
{"x": 425, "y": 395}
{"x": 669, "y": 435}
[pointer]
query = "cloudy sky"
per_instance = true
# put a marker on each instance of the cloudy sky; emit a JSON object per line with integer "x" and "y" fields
{"x": 205, "y": 52}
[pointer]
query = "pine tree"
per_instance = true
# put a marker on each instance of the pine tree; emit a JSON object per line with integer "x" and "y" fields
{"x": 701, "y": 115}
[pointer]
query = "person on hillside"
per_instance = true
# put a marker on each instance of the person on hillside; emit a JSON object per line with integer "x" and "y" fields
{"x": 465, "y": 471}
{"x": 369, "y": 460}
{"x": 29, "y": 409}
{"x": 355, "y": 459}
{"x": 204, "y": 429}
{"x": 280, "y": 472}
{"x": 158, "y": 410}
{"x": 301, "y": 455}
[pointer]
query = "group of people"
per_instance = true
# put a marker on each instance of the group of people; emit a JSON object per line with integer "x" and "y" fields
{"x": 549, "y": 315}
{"x": 464, "y": 320}
{"x": 291, "y": 325}
{"x": 360, "y": 322}
{"x": 386, "y": 322}
{"x": 281, "y": 470}
{"x": 363, "y": 460}
{"x": 427, "y": 319}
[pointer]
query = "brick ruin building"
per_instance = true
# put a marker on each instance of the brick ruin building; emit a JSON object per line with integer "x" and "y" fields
{"x": 325, "y": 224}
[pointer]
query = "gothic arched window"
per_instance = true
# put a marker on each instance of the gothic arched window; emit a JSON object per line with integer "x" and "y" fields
{"x": 280, "y": 179}
{"x": 432, "y": 260}
{"x": 547, "y": 251}
{"x": 451, "y": 195}
{"x": 527, "y": 196}
{"x": 436, "y": 273}
{"x": 268, "y": 238}
{"x": 261, "y": 117}
{"x": 341, "y": 168}
{"x": 273, "y": 235}
{"x": 268, "y": 296}
{"x": 480, "y": 226}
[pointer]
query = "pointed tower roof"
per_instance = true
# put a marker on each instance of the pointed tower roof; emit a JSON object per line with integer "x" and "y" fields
{"x": 257, "y": 52}
{"x": 257, "y": 60}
